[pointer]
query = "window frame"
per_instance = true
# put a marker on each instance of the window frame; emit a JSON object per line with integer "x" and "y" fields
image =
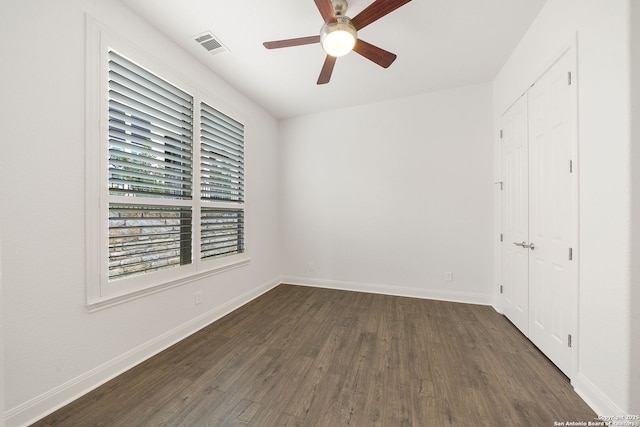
{"x": 100, "y": 292}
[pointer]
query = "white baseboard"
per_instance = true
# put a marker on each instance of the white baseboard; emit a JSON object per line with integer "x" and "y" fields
{"x": 452, "y": 296}
{"x": 594, "y": 397}
{"x": 43, "y": 405}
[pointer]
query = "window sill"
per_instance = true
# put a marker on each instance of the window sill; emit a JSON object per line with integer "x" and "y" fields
{"x": 116, "y": 299}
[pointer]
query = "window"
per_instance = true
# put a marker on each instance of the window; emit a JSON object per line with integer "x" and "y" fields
{"x": 171, "y": 198}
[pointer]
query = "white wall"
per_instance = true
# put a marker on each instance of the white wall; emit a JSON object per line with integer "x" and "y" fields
{"x": 602, "y": 28}
{"x": 634, "y": 301}
{"x": 55, "y": 349}
{"x": 388, "y": 197}
{"x": 2, "y": 392}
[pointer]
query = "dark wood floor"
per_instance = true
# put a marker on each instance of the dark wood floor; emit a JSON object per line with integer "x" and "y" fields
{"x": 300, "y": 356}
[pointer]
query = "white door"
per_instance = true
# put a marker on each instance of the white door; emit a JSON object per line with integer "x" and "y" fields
{"x": 552, "y": 223}
{"x": 539, "y": 220}
{"x": 515, "y": 215}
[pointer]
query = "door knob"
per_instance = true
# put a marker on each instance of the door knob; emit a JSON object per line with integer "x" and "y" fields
{"x": 525, "y": 245}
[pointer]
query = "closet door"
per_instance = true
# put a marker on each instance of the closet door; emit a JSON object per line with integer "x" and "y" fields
{"x": 552, "y": 220}
{"x": 539, "y": 213}
{"x": 515, "y": 215}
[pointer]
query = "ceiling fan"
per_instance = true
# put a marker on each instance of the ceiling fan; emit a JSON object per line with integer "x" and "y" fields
{"x": 338, "y": 36}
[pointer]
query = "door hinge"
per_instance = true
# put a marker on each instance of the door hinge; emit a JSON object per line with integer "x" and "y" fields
{"x": 569, "y": 78}
{"x": 569, "y": 341}
{"x": 570, "y": 254}
{"x": 500, "y": 133}
{"x": 501, "y": 289}
{"x": 501, "y": 237}
{"x": 570, "y": 166}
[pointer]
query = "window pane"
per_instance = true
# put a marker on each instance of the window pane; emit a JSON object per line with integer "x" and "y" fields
{"x": 150, "y": 134}
{"x": 222, "y": 232}
{"x": 221, "y": 156}
{"x": 144, "y": 239}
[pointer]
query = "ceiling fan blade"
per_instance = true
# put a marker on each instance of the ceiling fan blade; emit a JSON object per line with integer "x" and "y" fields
{"x": 327, "y": 69}
{"x": 375, "y": 11}
{"x": 291, "y": 42}
{"x": 326, "y": 10}
{"x": 374, "y": 53}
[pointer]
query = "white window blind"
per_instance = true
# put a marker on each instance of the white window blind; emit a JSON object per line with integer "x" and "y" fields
{"x": 150, "y": 134}
{"x": 222, "y": 156}
{"x": 222, "y": 232}
{"x": 221, "y": 184}
{"x": 150, "y": 162}
{"x": 144, "y": 238}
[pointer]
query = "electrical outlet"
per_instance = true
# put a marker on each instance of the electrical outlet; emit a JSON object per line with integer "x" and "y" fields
{"x": 198, "y": 297}
{"x": 311, "y": 266}
{"x": 448, "y": 276}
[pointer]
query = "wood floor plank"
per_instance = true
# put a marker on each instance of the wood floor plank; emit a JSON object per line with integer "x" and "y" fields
{"x": 300, "y": 356}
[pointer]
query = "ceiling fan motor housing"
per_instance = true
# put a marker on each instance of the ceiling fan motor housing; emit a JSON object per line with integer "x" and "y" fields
{"x": 340, "y": 7}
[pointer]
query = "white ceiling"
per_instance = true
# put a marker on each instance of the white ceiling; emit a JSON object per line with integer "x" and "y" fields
{"x": 440, "y": 44}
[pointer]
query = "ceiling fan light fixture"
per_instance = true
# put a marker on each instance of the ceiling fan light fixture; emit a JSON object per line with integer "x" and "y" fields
{"x": 338, "y": 38}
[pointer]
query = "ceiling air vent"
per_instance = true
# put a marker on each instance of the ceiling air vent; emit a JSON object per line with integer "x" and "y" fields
{"x": 210, "y": 43}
